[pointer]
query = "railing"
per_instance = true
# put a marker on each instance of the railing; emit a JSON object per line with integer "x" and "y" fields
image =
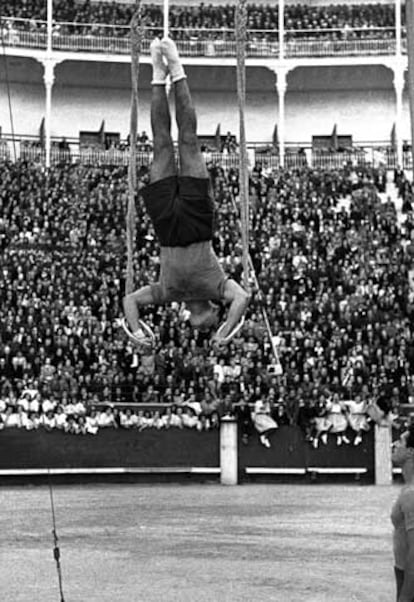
{"x": 214, "y": 43}
{"x": 295, "y": 157}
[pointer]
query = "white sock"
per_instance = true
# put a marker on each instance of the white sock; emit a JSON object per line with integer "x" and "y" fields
{"x": 159, "y": 68}
{"x": 170, "y": 52}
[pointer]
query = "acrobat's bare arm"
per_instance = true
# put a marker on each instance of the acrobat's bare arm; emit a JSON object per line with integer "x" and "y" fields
{"x": 238, "y": 299}
{"x": 142, "y": 296}
{"x": 138, "y": 331}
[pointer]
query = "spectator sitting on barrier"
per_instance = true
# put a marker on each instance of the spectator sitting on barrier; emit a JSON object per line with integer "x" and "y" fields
{"x": 144, "y": 420}
{"x": 338, "y": 417}
{"x": 33, "y": 421}
{"x": 128, "y": 419}
{"x": 189, "y": 418}
{"x": 214, "y": 420}
{"x": 48, "y": 420}
{"x": 72, "y": 426}
{"x": 106, "y": 418}
{"x": 321, "y": 422}
{"x": 167, "y": 417}
{"x": 92, "y": 422}
{"x": 157, "y": 421}
{"x": 60, "y": 417}
{"x": 10, "y": 418}
{"x": 243, "y": 415}
{"x": 357, "y": 417}
{"x": 263, "y": 422}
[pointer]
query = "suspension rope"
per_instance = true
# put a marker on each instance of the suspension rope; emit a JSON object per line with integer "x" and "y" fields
{"x": 6, "y": 69}
{"x": 409, "y": 19}
{"x": 56, "y": 550}
{"x": 248, "y": 268}
{"x": 136, "y": 41}
{"x": 241, "y": 36}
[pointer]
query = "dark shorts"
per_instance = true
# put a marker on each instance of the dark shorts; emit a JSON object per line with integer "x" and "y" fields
{"x": 181, "y": 209}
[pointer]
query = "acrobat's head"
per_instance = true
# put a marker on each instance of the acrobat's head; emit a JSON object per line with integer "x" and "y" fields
{"x": 204, "y": 315}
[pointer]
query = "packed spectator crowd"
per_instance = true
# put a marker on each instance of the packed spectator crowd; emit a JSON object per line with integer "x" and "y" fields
{"x": 333, "y": 268}
{"x": 328, "y": 22}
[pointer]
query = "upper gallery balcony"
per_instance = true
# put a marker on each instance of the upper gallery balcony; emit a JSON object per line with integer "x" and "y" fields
{"x": 207, "y": 42}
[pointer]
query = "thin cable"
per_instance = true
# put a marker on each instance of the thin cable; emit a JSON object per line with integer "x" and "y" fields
{"x": 6, "y": 68}
{"x": 136, "y": 41}
{"x": 260, "y": 299}
{"x": 56, "y": 550}
{"x": 241, "y": 36}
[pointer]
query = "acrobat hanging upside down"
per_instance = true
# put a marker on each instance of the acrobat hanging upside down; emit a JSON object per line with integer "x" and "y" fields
{"x": 181, "y": 208}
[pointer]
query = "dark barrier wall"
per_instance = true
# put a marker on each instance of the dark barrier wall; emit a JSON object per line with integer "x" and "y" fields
{"x": 109, "y": 448}
{"x": 290, "y": 450}
{"x": 173, "y": 448}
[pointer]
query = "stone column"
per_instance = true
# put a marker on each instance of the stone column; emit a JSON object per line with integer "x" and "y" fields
{"x": 383, "y": 464}
{"x": 399, "y": 70}
{"x": 228, "y": 451}
{"x": 281, "y": 87}
{"x": 49, "y": 79}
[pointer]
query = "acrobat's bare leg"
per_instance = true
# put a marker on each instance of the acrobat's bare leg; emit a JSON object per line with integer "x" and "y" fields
{"x": 191, "y": 159}
{"x": 163, "y": 164}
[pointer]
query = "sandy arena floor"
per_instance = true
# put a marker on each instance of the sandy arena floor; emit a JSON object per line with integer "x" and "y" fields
{"x": 196, "y": 543}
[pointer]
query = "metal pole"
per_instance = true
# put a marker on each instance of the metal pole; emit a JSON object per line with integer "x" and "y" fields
{"x": 399, "y": 89}
{"x": 166, "y": 13}
{"x": 281, "y": 29}
{"x": 409, "y": 20}
{"x": 48, "y": 81}
{"x": 49, "y": 26}
{"x": 398, "y": 27}
{"x": 281, "y": 86}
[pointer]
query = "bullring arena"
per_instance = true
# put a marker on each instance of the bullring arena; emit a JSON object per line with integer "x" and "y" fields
{"x": 171, "y": 462}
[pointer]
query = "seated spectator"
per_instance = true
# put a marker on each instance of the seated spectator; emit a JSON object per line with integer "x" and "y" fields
{"x": 106, "y": 418}
{"x": 263, "y": 422}
{"x": 60, "y": 418}
{"x": 176, "y": 417}
{"x": 48, "y": 420}
{"x": 157, "y": 421}
{"x": 47, "y": 405}
{"x": 214, "y": 420}
{"x": 11, "y": 419}
{"x": 33, "y": 421}
{"x": 72, "y": 426}
{"x": 189, "y": 418}
{"x": 203, "y": 423}
{"x": 92, "y": 422}
{"x": 338, "y": 417}
{"x": 244, "y": 419}
{"x": 128, "y": 419}
{"x": 144, "y": 420}
{"x": 357, "y": 417}
{"x": 322, "y": 424}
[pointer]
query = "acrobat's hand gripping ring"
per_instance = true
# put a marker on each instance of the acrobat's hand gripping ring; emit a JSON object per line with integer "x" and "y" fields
{"x": 145, "y": 340}
{"x": 220, "y": 340}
